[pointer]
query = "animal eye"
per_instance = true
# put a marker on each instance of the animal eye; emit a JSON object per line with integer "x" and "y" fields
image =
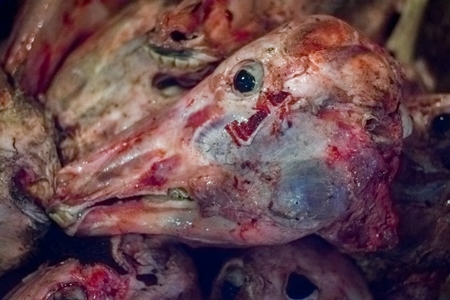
{"x": 248, "y": 78}
{"x": 441, "y": 125}
{"x": 233, "y": 284}
{"x": 299, "y": 287}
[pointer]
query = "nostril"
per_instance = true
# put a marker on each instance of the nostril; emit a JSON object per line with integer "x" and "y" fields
{"x": 178, "y": 36}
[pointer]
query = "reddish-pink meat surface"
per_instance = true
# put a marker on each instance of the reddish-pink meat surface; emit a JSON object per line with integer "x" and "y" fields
{"x": 45, "y": 32}
{"x": 297, "y": 132}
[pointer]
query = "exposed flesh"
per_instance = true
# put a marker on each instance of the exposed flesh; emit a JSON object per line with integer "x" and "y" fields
{"x": 327, "y": 107}
{"x": 305, "y": 269}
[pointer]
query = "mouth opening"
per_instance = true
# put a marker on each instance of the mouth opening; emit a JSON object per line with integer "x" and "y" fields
{"x": 175, "y": 199}
{"x": 182, "y": 54}
{"x": 181, "y": 59}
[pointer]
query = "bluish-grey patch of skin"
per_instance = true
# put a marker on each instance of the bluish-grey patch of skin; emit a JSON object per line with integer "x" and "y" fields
{"x": 286, "y": 172}
{"x": 216, "y": 143}
{"x": 308, "y": 191}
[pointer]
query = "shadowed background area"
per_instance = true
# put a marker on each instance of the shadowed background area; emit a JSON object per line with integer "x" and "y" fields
{"x": 435, "y": 31}
{"x": 8, "y": 9}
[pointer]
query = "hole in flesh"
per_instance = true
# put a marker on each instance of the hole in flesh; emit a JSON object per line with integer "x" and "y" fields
{"x": 299, "y": 287}
{"x": 178, "y": 36}
{"x": 148, "y": 279}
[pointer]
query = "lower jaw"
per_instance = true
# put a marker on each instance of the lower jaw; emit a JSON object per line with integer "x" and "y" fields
{"x": 178, "y": 218}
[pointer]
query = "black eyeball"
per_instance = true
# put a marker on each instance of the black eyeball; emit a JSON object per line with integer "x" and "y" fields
{"x": 244, "y": 82}
{"x": 299, "y": 287}
{"x": 441, "y": 125}
{"x": 248, "y": 78}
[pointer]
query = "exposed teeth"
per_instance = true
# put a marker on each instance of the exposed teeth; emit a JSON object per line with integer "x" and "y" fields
{"x": 407, "y": 123}
{"x": 178, "y": 194}
{"x": 169, "y": 204}
{"x": 182, "y": 64}
{"x": 196, "y": 61}
{"x": 66, "y": 216}
{"x": 63, "y": 215}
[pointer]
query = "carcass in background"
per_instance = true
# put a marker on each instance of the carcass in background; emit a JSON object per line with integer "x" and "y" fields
{"x": 28, "y": 166}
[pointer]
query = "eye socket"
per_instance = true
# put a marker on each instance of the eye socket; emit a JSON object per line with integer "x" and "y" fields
{"x": 248, "y": 78}
{"x": 440, "y": 125}
{"x": 233, "y": 283}
{"x": 299, "y": 287}
{"x": 69, "y": 292}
